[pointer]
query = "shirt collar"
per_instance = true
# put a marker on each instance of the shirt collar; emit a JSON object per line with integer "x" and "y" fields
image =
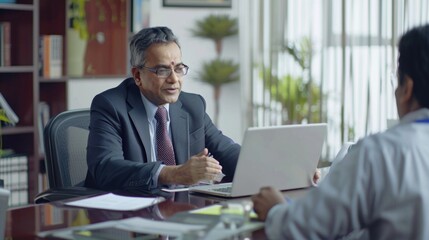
{"x": 152, "y": 108}
{"x": 422, "y": 113}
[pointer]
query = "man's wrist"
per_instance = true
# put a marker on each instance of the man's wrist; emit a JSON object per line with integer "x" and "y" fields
{"x": 278, "y": 206}
{"x": 168, "y": 175}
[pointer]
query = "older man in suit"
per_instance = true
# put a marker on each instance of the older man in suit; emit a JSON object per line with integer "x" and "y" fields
{"x": 126, "y": 148}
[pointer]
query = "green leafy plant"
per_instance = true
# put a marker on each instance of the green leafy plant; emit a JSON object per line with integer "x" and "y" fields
{"x": 299, "y": 96}
{"x": 3, "y": 118}
{"x": 216, "y": 28}
{"x": 217, "y": 72}
{"x": 293, "y": 94}
{"x": 77, "y": 17}
{"x": 301, "y": 53}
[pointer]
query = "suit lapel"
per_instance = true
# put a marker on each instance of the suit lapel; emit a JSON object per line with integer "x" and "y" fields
{"x": 179, "y": 132}
{"x": 138, "y": 117}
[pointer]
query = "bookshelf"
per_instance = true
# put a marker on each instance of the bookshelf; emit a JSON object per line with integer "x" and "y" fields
{"x": 25, "y": 88}
{"x": 53, "y": 91}
{"x": 21, "y": 84}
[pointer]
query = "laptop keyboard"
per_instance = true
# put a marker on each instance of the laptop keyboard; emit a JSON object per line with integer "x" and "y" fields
{"x": 223, "y": 189}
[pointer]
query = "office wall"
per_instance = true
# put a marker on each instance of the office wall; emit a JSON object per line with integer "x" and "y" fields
{"x": 195, "y": 52}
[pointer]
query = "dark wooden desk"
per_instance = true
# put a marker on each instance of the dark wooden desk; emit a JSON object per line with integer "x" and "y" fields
{"x": 26, "y": 222}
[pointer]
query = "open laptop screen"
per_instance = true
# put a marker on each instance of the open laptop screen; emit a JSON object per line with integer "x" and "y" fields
{"x": 284, "y": 156}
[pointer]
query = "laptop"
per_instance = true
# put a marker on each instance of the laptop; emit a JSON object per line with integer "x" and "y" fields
{"x": 284, "y": 157}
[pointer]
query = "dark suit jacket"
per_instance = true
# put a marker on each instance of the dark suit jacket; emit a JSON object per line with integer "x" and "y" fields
{"x": 119, "y": 144}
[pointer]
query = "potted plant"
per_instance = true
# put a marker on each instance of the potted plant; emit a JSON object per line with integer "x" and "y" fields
{"x": 216, "y": 28}
{"x": 217, "y": 72}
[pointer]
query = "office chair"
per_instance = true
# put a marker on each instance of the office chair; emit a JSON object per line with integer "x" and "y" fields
{"x": 65, "y": 140}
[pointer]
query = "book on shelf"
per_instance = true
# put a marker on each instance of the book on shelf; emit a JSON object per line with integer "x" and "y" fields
{"x": 14, "y": 172}
{"x": 10, "y": 114}
{"x": 5, "y": 44}
{"x": 44, "y": 116}
{"x": 51, "y": 56}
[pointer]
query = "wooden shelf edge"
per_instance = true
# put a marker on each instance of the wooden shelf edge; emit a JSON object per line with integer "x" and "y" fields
{"x": 16, "y": 69}
{"x": 52, "y": 80}
{"x": 17, "y": 6}
{"x": 16, "y": 130}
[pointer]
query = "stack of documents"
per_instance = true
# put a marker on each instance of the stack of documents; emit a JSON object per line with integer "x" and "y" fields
{"x": 115, "y": 202}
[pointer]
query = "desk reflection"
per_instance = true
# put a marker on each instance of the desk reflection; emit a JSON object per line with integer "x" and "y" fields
{"x": 26, "y": 222}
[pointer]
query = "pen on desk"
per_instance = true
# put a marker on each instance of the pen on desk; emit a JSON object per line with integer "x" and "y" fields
{"x": 217, "y": 178}
{"x": 220, "y": 175}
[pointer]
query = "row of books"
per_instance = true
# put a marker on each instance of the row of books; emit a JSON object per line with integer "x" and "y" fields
{"x": 50, "y": 52}
{"x": 51, "y": 56}
{"x": 14, "y": 172}
{"x": 5, "y": 44}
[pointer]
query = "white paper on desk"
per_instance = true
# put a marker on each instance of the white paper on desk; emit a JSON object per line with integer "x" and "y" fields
{"x": 112, "y": 201}
{"x": 177, "y": 189}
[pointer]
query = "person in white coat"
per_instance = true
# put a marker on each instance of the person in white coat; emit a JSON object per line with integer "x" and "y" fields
{"x": 381, "y": 186}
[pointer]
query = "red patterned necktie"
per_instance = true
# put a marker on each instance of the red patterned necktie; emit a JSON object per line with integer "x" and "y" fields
{"x": 164, "y": 148}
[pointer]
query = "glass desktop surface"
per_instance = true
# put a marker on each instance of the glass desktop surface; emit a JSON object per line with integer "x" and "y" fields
{"x": 27, "y": 221}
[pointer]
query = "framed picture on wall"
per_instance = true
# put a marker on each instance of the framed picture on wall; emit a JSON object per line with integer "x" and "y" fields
{"x": 96, "y": 38}
{"x": 140, "y": 15}
{"x": 198, "y": 3}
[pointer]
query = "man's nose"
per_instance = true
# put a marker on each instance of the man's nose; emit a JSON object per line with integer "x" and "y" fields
{"x": 173, "y": 77}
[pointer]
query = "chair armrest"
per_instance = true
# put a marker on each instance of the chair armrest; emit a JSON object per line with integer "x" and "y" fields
{"x": 56, "y": 194}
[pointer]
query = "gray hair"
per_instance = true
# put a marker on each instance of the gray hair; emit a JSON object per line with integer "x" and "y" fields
{"x": 142, "y": 40}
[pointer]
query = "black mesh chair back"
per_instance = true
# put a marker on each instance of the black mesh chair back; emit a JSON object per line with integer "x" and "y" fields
{"x": 65, "y": 140}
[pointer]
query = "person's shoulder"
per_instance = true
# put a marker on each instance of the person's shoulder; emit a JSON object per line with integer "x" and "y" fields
{"x": 192, "y": 103}
{"x": 375, "y": 140}
{"x": 389, "y": 141}
{"x": 186, "y": 97}
{"x": 116, "y": 95}
{"x": 121, "y": 87}
{"x": 189, "y": 95}
{"x": 396, "y": 135}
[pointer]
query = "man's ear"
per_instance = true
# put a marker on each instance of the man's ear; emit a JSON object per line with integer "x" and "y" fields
{"x": 136, "y": 75}
{"x": 407, "y": 89}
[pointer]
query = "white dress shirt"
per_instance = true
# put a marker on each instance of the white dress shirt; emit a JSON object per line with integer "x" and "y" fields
{"x": 381, "y": 186}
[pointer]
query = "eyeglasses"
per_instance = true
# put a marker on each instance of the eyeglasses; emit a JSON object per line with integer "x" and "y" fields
{"x": 163, "y": 72}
